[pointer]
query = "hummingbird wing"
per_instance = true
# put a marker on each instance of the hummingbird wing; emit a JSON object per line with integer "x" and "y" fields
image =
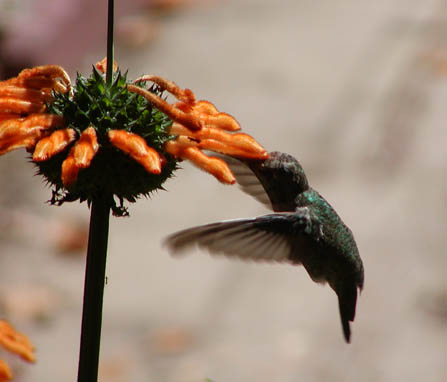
{"x": 264, "y": 238}
{"x": 248, "y": 181}
{"x": 274, "y": 182}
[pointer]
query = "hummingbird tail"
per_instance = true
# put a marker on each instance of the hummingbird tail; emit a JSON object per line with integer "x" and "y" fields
{"x": 347, "y": 299}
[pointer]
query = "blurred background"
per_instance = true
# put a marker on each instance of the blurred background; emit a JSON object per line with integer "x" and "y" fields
{"x": 355, "y": 90}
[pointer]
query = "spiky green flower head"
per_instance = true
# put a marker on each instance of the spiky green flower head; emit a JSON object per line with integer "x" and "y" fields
{"x": 113, "y": 172}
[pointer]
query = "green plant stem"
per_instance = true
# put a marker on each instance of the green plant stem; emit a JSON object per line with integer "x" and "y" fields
{"x": 94, "y": 290}
{"x": 110, "y": 58}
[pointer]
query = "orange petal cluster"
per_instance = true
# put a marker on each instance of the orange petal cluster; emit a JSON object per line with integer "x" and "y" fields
{"x": 199, "y": 126}
{"x": 23, "y": 120}
{"x": 14, "y": 342}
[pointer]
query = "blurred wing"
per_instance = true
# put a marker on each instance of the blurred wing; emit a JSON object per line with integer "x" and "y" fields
{"x": 248, "y": 181}
{"x": 258, "y": 180}
{"x": 265, "y": 238}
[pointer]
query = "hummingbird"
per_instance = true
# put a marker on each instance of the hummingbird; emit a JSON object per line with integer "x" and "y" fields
{"x": 303, "y": 230}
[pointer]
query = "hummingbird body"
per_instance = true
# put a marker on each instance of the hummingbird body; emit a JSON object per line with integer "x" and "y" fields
{"x": 304, "y": 229}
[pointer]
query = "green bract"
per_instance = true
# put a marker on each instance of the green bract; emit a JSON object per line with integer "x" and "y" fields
{"x": 111, "y": 173}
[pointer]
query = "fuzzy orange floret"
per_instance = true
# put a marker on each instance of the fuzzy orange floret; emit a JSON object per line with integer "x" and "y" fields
{"x": 18, "y": 106}
{"x": 70, "y": 171}
{"x": 185, "y": 149}
{"x": 85, "y": 148}
{"x": 137, "y": 148}
{"x": 53, "y": 144}
{"x": 209, "y": 115}
{"x": 80, "y": 156}
{"x": 210, "y": 138}
{"x": 32, "y": 95}
{"x": 25, "y": 132}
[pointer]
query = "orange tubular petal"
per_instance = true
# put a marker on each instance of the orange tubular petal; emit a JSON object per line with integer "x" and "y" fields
{"x": 43, "y": 121}
{"x": 31, "y": 95}
{"x": 137, "y": 148}
{"x": 189, "y": 120}
{"x": 205, "y": 107}
{"x": 215, "y": 166}
{"x": 244, "y": 146}
{"x": 213, "y": 118}
{"x": 25, "y": 132}
{"x": 14, "y": 105}
{"x": 5, "y": 372}
{"x": 47, "y": 71}
{"x": 210, "y": 138}
{"x": 54, "y": 144}
{"x": 42, "y": 83}
{"x": 231, "y": 150}
{"x": 222, "y": 121}
{"x": 85, "y": 148}
{"x": 102, "y": 65}
{"x": 16, "y": 342}
{"x": 16, "y": 143}
{"x": 70, "y": 171}
{"x": 22, "y": 127}
{"x": 185, "y": 95}
{"x": 208, "y": 114}
{"x": 176, "y": 147}
{"x": 7, "y": 116}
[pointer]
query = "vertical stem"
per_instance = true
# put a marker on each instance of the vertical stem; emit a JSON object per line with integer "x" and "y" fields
{"x": 94, "y": 290}
{"x": 110, "y": 22}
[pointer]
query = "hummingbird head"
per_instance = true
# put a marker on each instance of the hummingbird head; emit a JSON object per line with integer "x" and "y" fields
{"x": 283, "y": 179}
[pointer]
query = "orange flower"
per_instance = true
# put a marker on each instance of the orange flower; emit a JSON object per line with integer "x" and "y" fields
{"x": 197, "y": 125}
{"x": 14, "y": 342}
